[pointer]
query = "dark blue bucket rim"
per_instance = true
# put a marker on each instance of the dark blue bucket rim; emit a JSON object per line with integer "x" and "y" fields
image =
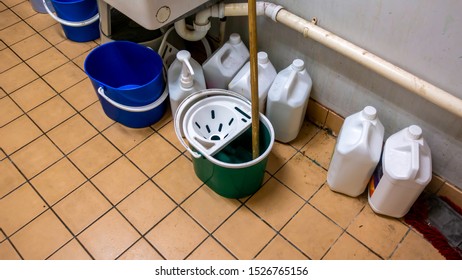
{"x": 124, "y": 87}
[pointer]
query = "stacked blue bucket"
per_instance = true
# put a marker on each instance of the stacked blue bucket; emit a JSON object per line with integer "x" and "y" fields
{"x": 129, "y": 82}
{"x": 79, "y": 18}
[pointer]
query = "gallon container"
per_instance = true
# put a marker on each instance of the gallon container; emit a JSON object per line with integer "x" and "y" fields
{"x": 405, "y": 172}
{"x": 266, "y": 74}
{"x": 184, "y": 77}
{"x": 287, "y": 100}
{"x": 223, "y": 65}
{"x": 357, "y": 152}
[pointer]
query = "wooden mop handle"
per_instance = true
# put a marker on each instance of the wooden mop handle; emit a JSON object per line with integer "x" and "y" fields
{"x": 254, "y": 77}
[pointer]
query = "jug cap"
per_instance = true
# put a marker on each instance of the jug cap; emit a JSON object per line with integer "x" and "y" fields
{"x": 369, "y": 113}
{"x": 298, "y": 65}
{"x": 414, "y": 132}
{"x": 262, "y": 58}
{"x": 234, "y": 39}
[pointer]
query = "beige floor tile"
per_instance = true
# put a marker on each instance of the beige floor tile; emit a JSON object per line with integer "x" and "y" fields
{"x": 178, "y": 179}
{"x": 71, "y": 133}
{"x": 125, "y": 138}
{"x": 302, "y": 176}
{"x": 176, "y": 236}
{"x": 94, "y": 155}
{"x": 307, "y": 132}
{"x": 415, "y": 247}
{"x": 17, "y": 134}
{"x": 7, "y": 252}
{"x": 36, "y": 156}
{"x": 73, "y": 49}
{"x": 43, "y": 236}
{"x": 119, "y": 179}
{"x": 16, "y": 77}
{"x": 11, "y": 3}
{"x": 166, "y": 118}
{"x": 2, "y": 93}
{"x": 51, "y": 113}
{"x": 278, "y": 156}
{"x": 81, "y": 95}
{"x": 82, "y": 207}
{"x": 96, "y": 116}
{"x": 33, "y": 94}
{"x": 54, "y": 33}
{"x": 381, "y": 234}
{"x": 348, "y": 248}
{"x": 275, "y": 203}
{"x": 71, "y": 251}
{"x": 316, "y": 112}
{"x": 10, "y": 111}
{"x": 80, "y": 60}
{"x": 168, "y": 132}
{"x": 2, "y": 6}
{"x": 141, "y": 250}
{"x": 24, "y": 10}
{"x": 320, "y": 148}
{"x": 153, "y": 154}
{"x": 58, "y": 181}
{"x": 311, "y": 232}
{"x": 210, "y": 250}
{"x": 47, "y": 61}
{"x": 15, "y": 33}
{"x": 64, "y": 77}
{"x": 146, "y": 206}
{"x": 8, "y": 59}
{"x": 8, "y": 18}
{"x": 340, "y": 208}
{"x": 334, "y": 122}
{"x": 40, "y": 21}
{"x": 208, "y": 208}
{"x": 280, "y": 249}
{"x": 109, "y": 237}
{"x": 244, "y": 234}
{"x": 30, "y": 46}
{"x": 20, "y": 207}
{"x": 9, "y": 176}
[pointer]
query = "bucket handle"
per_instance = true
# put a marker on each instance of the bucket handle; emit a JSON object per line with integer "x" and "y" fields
{"x": 137, "y": 109}
{"x": 190, "y": 98}
{"x": 70, "y": 23}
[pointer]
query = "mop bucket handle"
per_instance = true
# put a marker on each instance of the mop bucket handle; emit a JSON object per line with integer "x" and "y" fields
{"x": 70, "y": 23}
{"x": 190, "y": 98}
{"x": 137, "y": 109}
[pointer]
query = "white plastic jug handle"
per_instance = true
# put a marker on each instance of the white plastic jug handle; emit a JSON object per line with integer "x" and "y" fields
{"x": 136, "y": 109}
{"x": 184, "y": 106}
{"x": 289, "y": 84}
{"x": 415, "y": 159}
{"x": 70, "y": 23}
{"x": 364, "y": 138}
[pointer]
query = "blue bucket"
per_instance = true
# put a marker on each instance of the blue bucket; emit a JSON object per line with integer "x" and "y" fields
{"x": 79, "y": 18}
{"x": 134, "y": 116}
{"x": 129, "y": 73}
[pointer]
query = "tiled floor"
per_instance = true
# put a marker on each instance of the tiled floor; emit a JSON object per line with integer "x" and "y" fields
{"x": 76, "y": 185}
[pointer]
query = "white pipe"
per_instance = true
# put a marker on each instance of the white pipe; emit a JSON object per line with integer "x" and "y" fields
{"x": 384, "y": 68}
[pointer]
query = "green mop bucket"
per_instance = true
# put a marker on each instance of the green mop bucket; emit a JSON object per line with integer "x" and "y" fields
{"x": 232, "y": 172}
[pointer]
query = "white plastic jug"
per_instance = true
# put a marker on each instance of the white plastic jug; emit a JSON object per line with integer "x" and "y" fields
{"x": 357, "y": 152}
{"x": 185, "y": 76}
{"x": 266, "y": 74}
{"x": 287, "y": 101}
{"x": 407, "y": 169}
{"x": 222, "y": 66}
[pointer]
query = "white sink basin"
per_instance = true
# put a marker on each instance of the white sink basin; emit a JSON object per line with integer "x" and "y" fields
{"x": 153, "y": 14}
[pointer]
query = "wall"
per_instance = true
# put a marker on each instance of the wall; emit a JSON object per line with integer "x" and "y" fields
{"x": 421, "y": 36}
